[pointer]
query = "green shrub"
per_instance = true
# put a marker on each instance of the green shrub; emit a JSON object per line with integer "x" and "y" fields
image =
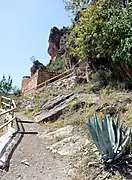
{"x": 104, "y": 30}
{"x": 57, "y": 66}
{"x": 6, "y": 85}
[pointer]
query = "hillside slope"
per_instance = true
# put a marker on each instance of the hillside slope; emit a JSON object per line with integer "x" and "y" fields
{"x": 68, "y": 136}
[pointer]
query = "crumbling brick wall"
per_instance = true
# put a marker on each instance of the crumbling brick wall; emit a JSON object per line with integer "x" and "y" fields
{"x": 43, "y": 76}
{"x": 30, "y": 83}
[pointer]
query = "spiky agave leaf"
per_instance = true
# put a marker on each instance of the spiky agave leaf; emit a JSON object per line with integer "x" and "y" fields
{"x": 110, "y": 137}
{"x": 118, "y": 139}
{"x": 91, "y": 128}
{"x": 115, "y": 132}
{"x": 99, "y": 136}
{"x": 99, "y": 132}
{"x": 122, "y": 148}
{"x": 96, "y": 131}
{"x": 111, "y": 133}
{"x": 107, "y": 134}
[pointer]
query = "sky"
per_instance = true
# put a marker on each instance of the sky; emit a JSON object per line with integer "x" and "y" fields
{"x": 24, "y": 31}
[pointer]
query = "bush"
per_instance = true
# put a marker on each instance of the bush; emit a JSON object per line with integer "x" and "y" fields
{"x": 104, "y": 30}
{"x": 100, "y": 79}
{"x": 16, "y": 91}
{"x": 57, "y": 66}
{"x": 5, "y": 85}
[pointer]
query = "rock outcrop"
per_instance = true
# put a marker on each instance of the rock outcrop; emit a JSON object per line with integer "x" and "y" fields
{"x": 37, "y": 65}
{"x": 57, "y": 42}
{"x": 53, "y": 108}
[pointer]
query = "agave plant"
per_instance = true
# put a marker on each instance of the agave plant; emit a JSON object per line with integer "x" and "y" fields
{"x": 110, "y": 137}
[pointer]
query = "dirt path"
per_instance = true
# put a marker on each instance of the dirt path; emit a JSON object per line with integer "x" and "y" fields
{"x": 42, "y": 165}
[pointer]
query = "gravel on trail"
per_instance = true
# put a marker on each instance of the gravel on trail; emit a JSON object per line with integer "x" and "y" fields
{"x": 30, "y": 160}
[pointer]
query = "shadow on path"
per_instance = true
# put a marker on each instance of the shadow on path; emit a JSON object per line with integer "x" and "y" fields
{"x": 126, "y": 171}
{"x": 18, "y": 138}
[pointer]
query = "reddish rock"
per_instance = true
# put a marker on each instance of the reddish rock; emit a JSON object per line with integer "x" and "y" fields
{"x": 53, "y": 50}
{"x": 57, "y": 42}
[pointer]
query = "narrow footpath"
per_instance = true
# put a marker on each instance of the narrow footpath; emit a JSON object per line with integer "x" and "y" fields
{"x": 30, "y": 160}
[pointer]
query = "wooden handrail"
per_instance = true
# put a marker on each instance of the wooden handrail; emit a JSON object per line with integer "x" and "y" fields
{"x": 5, "y": 104}
{"x": 2, "y": 110}
{"x": 6, "y": 98}
{"x": 10, "y": 115}
{"x": 55, "y": 78}
{"x": 8, "y": 111}
{"x": 68, "y": 75}
{"x": 13, "y": 102}
{"x": 68, "y": 71}
{"x": 4, "y": 125}
{"x": 49, "y": 80}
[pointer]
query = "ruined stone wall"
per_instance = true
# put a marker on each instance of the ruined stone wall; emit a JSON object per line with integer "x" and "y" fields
{"x": 29, "y": 84}
{"x": 43, "y": 76}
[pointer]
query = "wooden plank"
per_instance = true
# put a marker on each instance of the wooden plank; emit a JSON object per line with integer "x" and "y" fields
{"x": 13, "y": 102}
{"x": 46, "y": 82}
{"x": 8, "y": 111}
{"x": 5, "y": 104}
{"x": 9, "y": 99}
{"x": 2, "y": 126}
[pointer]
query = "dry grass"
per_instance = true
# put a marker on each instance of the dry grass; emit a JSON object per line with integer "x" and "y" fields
{"x": 106, "y": 96}
{"x": 126, "y": 117}
{"x": 78, "y": 119}
{"x": 38, "y": 99}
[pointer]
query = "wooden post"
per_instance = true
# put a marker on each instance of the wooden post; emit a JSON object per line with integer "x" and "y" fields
{"x": 0, "y": 102}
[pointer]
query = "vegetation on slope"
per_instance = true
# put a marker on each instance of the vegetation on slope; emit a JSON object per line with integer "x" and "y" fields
{"x": 57, "y": 65}
{"x": 103, "y": 30}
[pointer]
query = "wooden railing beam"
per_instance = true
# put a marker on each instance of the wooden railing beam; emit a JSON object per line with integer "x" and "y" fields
{"x": 10, "y": 112}
{"x": 4, "y": 125}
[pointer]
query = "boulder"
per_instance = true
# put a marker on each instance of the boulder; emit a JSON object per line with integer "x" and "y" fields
{"x": 53, "y": 108}
{"x": 60, "y": 133}
{"x": 69, "y": 146}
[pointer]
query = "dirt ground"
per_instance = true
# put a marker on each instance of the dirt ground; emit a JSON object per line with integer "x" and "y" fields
{"x": 30, "y": 160}
{"x": 32, "y": 157}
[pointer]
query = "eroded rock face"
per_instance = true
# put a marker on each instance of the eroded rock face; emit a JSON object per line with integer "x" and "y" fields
{"x": 53, "y": 50}
{"x": 57, "y": 41}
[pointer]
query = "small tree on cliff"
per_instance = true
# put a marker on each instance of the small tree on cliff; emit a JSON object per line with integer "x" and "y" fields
{"x": 75, "y": 6}
{"x": 6, "y": 85}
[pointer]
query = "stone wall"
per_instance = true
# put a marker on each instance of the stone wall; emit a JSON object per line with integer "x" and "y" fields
{"x": 44, "y": 75}
{"x": 29, "y": 84}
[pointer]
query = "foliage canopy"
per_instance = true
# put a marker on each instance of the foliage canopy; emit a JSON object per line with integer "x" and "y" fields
{"x": 75, "y": 5}
{"x": 103, "y": 30}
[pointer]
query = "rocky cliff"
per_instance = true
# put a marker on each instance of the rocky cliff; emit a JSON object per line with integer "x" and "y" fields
{"x": 37, "y": 65}
{"x": 57, "y": 42}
